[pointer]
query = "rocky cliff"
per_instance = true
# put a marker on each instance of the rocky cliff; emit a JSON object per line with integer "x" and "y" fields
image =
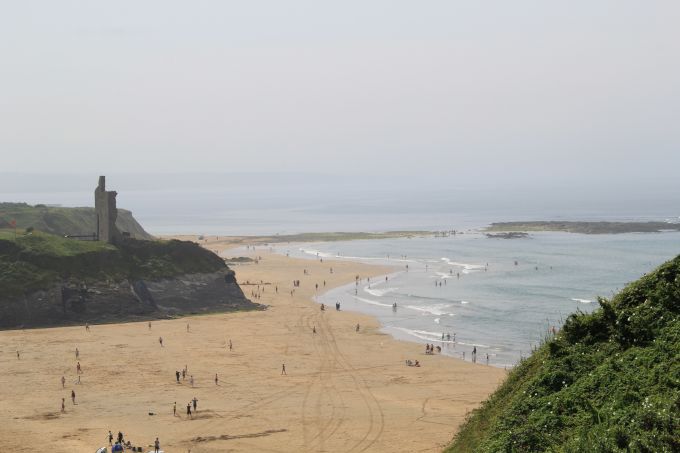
{"x": 47, "y": 280}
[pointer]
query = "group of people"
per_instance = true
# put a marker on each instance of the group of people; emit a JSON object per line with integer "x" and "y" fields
{"x": 120, "y": 444}
{"x": 430, "y": 348}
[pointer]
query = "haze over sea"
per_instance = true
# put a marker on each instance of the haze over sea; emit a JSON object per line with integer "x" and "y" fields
{"x": 504, "y": 310}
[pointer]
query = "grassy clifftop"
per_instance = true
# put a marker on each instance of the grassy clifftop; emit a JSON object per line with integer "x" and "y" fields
{"x": 608, "y": 382}
{"x": 62, "y": 221}
{"x": 34, "y": 261}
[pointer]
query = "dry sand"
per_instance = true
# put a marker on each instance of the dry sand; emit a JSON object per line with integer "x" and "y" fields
{"x": 344, "y": 391}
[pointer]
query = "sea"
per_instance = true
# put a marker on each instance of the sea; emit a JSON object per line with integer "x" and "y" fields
{"x": 500, "y": 296}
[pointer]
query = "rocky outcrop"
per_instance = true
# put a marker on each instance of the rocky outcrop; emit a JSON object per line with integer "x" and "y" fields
{"x": 68, "y": 302}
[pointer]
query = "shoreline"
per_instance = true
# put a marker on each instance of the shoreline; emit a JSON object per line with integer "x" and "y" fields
{"x": 344, "y": 390}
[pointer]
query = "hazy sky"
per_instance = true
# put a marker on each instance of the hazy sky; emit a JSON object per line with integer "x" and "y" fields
{"x": 442, "y": 90}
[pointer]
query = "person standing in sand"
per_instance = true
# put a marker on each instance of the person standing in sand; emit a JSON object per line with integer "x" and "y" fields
{"x": 149, "y": 325}
{"x": 174, "y": 409}
{"x": 357, "y": 329}
{"x": 73, "y": 396}
{"x": 283, "y": 369}
{"x": 63, "y": 405}
{"x": 160, "y": 340}
{"x": 189, "y": 410}
{"x": 110, "y": 436}
{"x": 77, "y": 353}
{"x": 157, "y": 445}
{"x": 195, "y": 402}
{"x": 191, "y": 380}
{"x": 79, "y": 369}
{"x": 63, "y": 382}
{"x": 217, "y": 381}
{"x": 230, "y": 345}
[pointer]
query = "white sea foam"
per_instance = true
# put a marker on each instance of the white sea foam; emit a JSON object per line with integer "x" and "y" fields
{"x": 379, "y": 292}
{"x": 318, "y": 253}
{"x": 474, "y": 344}
{"x": 444, "y": 275}
{"x": 464, "y": 302}
{"x": 436, "y": 320}
{"x": 467, "y": 268}
{"x": 435, "y": 309}
{"x": 423, "y": 334}
{"x": 372, "y": 302}
{"x": 583, "y": 301}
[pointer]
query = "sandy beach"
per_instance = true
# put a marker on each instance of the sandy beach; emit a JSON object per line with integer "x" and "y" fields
{"x": 344, "y": 390}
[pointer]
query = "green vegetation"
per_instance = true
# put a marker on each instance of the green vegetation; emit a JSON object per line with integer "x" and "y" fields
{"x": 37, "y": 260}
{"x": 586, "y": 227}
{"x": 608, "y": 382}
{"x": 63, "y": 221}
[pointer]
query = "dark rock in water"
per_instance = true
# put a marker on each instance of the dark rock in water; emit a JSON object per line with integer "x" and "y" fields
{"x": 508, "y": 235}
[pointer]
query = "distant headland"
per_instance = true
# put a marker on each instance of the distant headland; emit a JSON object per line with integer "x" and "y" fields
{"x": 586, "y": 227}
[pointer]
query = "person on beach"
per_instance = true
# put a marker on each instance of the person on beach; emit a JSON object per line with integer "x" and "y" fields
{"x": 314, "y": 329}
{"x": 217, "y": 381}
{"x": 79, "y": 369}
{"x": 187, "y": 327}
{"x": 487, "y": 358}
{"x": 174, "y": 409}
{"x": 195, "y": 402}
{"x": 323, "y": 307}
{"x": 63, "y": 382}
{"x": 149, "y": 325}
{"x": 357, "y": 328}
{"x": 230, "y": 345}
{"x": 87, "y": 327}
{"x": 184, "y": 373}
{"x": 160, "y": 340}
{"x": 191, "y": 380}
{"x": 283, "y": 369}
{"x": 110, "y": 436}
{"x": 120, "y": 437}
{"x": 78, "y": 381}
{"x": 63, "y": 405}
{"x": 73, "y": 396}
{"x": 189, "y": 410}
{"x": 18, "y": 356}
{"x": 474, "y": 354}
{"x": 77, "y": 353}
{"x": 156, "y": 445}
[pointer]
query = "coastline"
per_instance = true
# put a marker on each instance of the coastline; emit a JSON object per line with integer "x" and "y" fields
{"x": 344, "y": 390}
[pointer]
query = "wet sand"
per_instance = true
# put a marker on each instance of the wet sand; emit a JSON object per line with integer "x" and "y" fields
{"x": 344, "y": 391}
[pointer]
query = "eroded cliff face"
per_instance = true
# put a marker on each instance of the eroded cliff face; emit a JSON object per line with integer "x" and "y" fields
{"x": 72, "y": 302}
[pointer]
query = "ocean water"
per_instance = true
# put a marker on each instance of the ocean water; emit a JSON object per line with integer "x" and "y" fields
{"x": 469, "y": 285}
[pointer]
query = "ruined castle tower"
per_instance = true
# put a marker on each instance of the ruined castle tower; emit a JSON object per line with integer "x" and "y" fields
{"x": 106, "y": 211}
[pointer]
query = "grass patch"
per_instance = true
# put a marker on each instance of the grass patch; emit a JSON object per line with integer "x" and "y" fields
{"x": 35, "y": 261}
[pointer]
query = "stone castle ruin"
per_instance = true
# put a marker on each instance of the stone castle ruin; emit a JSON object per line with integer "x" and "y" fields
{"x": 106, "y": 211}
